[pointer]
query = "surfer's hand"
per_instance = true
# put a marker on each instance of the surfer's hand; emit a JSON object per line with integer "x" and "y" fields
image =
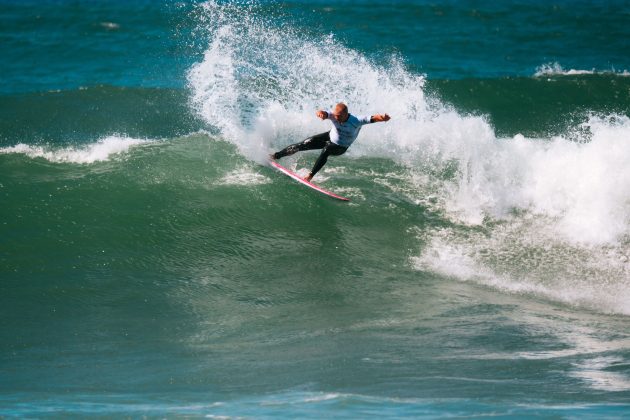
{"x": 381, "y": 117}
{"x": 322, "y": 114}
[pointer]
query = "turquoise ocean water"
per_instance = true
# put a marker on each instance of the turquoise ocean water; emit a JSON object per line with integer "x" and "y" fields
{"x": 152, "y": 265}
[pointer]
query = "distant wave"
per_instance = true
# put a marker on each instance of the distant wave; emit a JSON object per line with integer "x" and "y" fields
{"x": 555, "y": 69}
{"x": 100, "y": 151}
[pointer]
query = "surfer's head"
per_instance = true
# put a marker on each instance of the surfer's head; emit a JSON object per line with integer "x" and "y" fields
{"x": 340, "y": 113}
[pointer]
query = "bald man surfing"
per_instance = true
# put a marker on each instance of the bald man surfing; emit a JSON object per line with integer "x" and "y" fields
{"x": 335, "y": 142}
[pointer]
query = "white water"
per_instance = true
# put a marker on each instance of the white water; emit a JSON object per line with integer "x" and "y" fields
{"x": 100, "y": 151}
{"x": 555, "y": 212}
{"x": 555, "y": 69}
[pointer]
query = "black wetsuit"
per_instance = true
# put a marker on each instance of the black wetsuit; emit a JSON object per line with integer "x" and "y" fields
{"x": 318, "y": 141}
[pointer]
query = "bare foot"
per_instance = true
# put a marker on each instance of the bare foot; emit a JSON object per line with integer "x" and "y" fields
{"x": 308, "y": 178}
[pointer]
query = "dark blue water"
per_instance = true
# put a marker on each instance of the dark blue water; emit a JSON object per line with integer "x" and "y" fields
{"x": 151, "y": 264}
{"x": 62, "y": 44}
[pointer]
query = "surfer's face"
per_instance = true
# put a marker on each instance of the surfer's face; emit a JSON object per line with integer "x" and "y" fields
{"x": 341, "y": 115}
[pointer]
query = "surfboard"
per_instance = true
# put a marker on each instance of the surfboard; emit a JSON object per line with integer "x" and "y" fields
{"x": 305, "y": 182}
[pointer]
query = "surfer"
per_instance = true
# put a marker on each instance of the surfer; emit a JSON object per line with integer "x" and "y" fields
{"x": 335, "y": 142}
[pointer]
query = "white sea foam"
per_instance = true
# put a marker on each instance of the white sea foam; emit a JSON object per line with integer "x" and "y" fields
{"x": 102, "y": 150}
{"x": 110, "y": 26}
{"x": 260, "y": 86}
{"x": 244, "y": 176}
{"x": 523, "y": 257}
{"x": 580, "y": 181}
{"x": 555, "y": 69}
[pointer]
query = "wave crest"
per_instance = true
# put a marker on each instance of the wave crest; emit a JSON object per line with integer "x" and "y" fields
{"x": 555, "y": 69}
{"x": 100, "y": 151}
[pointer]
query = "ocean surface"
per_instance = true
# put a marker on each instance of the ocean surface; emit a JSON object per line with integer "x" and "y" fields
{"x": 152, "y": 264}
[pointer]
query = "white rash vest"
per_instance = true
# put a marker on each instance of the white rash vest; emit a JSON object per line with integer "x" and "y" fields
{"x": 344, "y": 134}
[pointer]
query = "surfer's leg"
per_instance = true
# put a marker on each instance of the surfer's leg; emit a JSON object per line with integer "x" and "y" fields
{"x": 330, "y": 149}
{"x": 317, "y": 141}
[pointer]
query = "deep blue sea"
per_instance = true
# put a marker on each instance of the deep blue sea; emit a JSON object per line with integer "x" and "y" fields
{"x": 153, "y": 265}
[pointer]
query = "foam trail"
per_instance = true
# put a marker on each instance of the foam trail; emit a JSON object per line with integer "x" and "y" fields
{"x": 100, "y": 151}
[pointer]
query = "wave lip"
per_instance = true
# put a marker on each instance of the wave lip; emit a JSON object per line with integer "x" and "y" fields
{"x": 100, "y": 151}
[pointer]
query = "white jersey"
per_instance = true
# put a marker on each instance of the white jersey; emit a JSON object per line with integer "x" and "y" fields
{"x": 344, "y": 134}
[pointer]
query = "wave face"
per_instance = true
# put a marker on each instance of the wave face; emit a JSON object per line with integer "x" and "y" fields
{"x": 151, "y": 264}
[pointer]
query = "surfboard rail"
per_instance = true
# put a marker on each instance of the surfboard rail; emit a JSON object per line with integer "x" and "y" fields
{"x": 301, "y": 180}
